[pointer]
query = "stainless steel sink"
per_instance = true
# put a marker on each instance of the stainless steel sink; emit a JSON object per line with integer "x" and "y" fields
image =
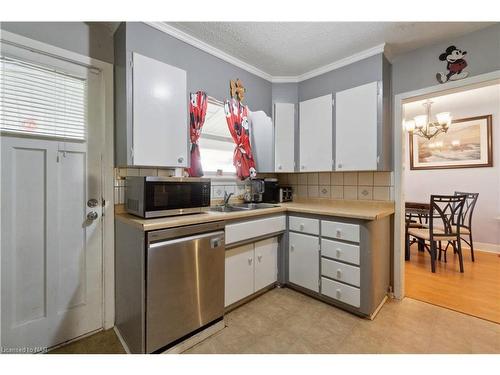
{"x": 242, "y": 207}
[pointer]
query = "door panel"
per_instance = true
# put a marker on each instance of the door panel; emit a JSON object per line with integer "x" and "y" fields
{"x": 266, "y": 263}
{"x": 51, "y": 254}
{"x": 284, "y": 133}
{"x": 239, "y": 281}
{"x": 303, "y": 261}
{"x": 316, "y": 134}
{"x": 356, "y": 130}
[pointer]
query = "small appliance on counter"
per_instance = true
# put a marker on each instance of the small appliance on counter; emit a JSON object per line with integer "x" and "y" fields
{"x": 274, "y": 193}
{"x": 254, "y": 190}
{"x": 285, "y": 194}
{"x": 153, "y": 196}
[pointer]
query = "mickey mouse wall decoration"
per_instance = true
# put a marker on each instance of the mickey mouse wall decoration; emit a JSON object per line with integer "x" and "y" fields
{"x": 455, "y": 64}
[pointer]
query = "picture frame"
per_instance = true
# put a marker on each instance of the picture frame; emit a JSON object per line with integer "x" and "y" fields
{"x": 467, "y": 144}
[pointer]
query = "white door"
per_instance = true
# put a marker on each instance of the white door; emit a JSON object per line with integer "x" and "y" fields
{"x": 239, "y": 281}
{"x": 303, "y": 261}
{"x": 51, "y": 241}
{"x": 266, "y": 262}
{"x": 160, "y": 127}
{"x": 284, "y": 137}
{"x": 356, "y": 128}
{"x": 316, "y": 136}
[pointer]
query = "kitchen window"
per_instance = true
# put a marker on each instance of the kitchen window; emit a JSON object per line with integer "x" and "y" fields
{"x": 39, "y": 101}
{"x": 216, "y": 143}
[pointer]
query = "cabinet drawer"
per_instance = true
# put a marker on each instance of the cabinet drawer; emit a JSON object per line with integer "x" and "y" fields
{"x": 254, "y": 228}
{"x": 340, "y": 271}
{"x": 304, "y": 225}
{"x": 340, "y": 250}
{"x": 342, "y": 231}
{"x": 341, "y": 292}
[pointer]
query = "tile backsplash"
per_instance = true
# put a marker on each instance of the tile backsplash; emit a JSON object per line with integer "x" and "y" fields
{"x": 328, "y": 185}
{"x": 341, "y": 185}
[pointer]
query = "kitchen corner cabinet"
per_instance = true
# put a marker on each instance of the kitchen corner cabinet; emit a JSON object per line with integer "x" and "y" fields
{"x": 250, "y": 268}
{"x": 316, "y": 134}
{"x": 284, "y": 134}
{"x": 151, "y": 113}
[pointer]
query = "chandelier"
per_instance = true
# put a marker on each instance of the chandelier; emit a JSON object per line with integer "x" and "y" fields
{"x": 423, "y": 126}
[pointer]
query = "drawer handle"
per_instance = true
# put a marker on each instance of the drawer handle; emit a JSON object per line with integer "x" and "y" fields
{"x": 338, "y": 293}
{"x": 301, "y": 226}
{"x": 250, "y": 260}
{"x": 338, "y": 253}
{"x": 339, "y": 274}
{"x": 339, "y": 233}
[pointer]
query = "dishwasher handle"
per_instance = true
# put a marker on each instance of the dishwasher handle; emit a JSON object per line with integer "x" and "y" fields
{"x": 217, "y": 241}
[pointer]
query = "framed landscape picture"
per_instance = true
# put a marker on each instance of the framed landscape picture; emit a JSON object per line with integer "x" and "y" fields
{"x": 466, "y": 144}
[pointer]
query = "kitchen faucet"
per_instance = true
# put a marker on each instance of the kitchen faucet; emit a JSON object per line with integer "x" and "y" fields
{"x": 226, "y": 197}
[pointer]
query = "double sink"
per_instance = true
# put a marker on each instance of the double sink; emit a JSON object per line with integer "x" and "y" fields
{"x": 242, "y": 207}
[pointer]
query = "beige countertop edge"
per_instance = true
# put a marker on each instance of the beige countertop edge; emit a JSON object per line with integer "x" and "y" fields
{"x": 362, "y": 213}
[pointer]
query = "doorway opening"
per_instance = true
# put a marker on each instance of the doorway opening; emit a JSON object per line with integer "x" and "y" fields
{"x": 461, "y": 160}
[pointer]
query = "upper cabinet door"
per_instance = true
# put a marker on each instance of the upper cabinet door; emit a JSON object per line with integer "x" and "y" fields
{"x": 316, "y": 137}
{"x": 262, "y": 141}
{"x": 160, "y": 127}
{"x": 284, "y": 137}
{"x": 356, "y": 128}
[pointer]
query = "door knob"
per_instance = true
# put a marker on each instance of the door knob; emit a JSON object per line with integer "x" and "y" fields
{"x": 92, "y": 203}
{"x": 92, "y": 215}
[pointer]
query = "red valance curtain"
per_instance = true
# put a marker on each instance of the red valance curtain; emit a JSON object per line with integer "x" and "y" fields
{"x": 238, "y": 123}
{"x": 197, "y": 112}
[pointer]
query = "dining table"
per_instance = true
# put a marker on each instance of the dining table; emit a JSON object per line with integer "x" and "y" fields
{"x": 416, "y": 214}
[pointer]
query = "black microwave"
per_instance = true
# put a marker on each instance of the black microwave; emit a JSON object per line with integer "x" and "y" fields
{"x": 152, "y": 196}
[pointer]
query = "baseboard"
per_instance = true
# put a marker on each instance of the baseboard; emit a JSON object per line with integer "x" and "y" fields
{"x": 122, "y": 341}
{"x": 196, "y": 339}
{"x": 483, "y": 246}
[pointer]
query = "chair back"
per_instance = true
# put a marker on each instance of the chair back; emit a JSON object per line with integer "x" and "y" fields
{"x": 470, "y": 203}
{"x": 447, "y": 210}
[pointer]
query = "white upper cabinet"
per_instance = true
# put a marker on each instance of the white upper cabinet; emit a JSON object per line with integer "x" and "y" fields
{"x": 284, "y": 135}
{"x": 316, "y": 136}
{"x": 160, "y": 117}
{"x": 262, "y": 141}
{"x": 356, "y": 125}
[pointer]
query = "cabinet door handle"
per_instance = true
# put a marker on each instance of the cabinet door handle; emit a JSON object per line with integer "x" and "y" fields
{"x": 339, "y": 233}
{"x": 302, "y": 167}
{"x": 279, "y": 166}
{"x": 259, "y": 257}
{"x": 250, "y": 260}
{"x": 292, "y": 247}
{"x": 338, "y": 293}
{"x": 301, "y": 226}
{"x": 339, "y": 274}
{"x": 338, "y": 253}
{"x": 339, "y": 165}
{"x": 180, "y": 159}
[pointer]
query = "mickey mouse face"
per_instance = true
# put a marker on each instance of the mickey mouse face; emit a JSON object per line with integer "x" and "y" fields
{"x": 452, "y": 54}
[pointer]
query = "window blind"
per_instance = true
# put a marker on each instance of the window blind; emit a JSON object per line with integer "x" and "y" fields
{"x": 40, "y": 101}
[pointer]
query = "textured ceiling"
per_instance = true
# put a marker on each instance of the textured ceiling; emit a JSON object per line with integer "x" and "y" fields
{"x": 294, "y": 48}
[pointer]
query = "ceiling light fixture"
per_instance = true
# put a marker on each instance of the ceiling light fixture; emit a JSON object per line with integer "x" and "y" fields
{"x": 422, "y": 126}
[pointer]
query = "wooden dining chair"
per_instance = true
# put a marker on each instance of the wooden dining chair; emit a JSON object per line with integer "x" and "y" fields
{"x": 466, "y": 228}
{"x": 445, "y": 221}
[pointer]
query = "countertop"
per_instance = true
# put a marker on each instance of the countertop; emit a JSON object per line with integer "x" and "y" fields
{"x": 363, "y": 210}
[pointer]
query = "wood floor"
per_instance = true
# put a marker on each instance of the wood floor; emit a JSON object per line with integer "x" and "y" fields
{"x": 475, "y": 292}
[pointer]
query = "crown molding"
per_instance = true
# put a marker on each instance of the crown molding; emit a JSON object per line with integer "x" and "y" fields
{"x": 181, "y": 35}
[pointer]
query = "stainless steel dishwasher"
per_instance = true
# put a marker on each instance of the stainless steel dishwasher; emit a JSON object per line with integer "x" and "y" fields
{"x": 185, "y": 282}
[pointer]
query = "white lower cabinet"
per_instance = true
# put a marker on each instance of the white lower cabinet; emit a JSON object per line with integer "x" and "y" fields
{"x": 250, "y": 268}
{"x": 266, "y": 263}
{"x": 303, "y": 261}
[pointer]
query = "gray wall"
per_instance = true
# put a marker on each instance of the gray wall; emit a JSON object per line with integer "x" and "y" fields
{"x": 346, "y": 77}
{"x": 417, "y": 69}
{"x": 204, "y": 71}
{"x": 89, "y": 39}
